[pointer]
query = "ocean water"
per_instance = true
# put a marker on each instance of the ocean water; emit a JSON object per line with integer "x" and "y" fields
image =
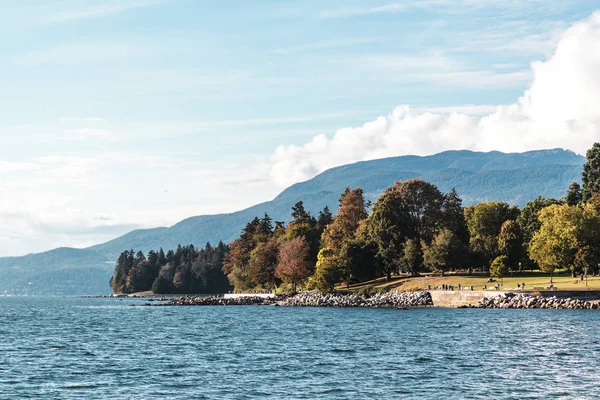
{"x": 71, "y": 348}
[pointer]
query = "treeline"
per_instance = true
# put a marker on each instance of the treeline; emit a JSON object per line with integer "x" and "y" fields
{"x": 185, "y": 270}
{"x": 413, "y": 227}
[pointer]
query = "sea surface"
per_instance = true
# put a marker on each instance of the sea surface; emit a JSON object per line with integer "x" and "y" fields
{"x": 72, "y": 348}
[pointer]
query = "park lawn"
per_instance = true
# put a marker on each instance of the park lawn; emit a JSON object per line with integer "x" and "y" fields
{"x": 532, "y": 282}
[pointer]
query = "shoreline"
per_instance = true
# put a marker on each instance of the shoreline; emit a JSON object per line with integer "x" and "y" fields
{"x": 397, "y": 300}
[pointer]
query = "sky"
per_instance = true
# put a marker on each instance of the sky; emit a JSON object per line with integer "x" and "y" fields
{"x": 126, "y": 114}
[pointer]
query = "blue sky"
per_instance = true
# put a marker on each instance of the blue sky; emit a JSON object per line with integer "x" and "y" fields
{"x": 132, "y": 113}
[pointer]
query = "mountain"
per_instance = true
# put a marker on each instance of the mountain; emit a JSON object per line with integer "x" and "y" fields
{"x": 477, "y": 176}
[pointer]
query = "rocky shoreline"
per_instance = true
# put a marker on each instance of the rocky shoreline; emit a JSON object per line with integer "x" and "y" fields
{"x": 526, "y": 301}
{"x": 308, "y": 299}
{"x": 399, "y": 300}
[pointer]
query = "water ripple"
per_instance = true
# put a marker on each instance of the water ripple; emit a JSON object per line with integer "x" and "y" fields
{"x": 68, "y": 348}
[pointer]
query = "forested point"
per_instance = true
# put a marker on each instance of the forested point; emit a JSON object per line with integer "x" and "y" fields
{"x": 184, "y": 270}
{"x": 412, "y": 228}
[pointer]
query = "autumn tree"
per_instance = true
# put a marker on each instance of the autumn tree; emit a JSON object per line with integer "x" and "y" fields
{"x": 293, "y": 265}
{"x": 263, "y": 262}
{"x": 237, "y": 263}
{"x": 340, "y": 232}
{"x": 351, "y": 212}
{"x": 304, "y": 225}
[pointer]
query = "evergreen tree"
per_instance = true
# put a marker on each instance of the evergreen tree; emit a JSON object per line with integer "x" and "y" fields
{"x": 162, "y": 259}
{"x": 325, "y": 218}
{"x": 591, "y": 172}
{"x": 574, "y": 196}
{"x": 453, "y": 216}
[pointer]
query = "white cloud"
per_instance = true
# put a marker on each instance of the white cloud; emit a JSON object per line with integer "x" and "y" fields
{"x": 561, "y": 108}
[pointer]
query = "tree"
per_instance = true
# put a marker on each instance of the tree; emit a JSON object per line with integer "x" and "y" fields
{"x": 564, "y": 231}
{"x": 484, "y": 222}
{"x": 162, "y": 286}
{"x": 358, "y": 260}
{"x": 453, "y": 216}
{"x": 325, "y": 218}
{"x": 408, "y": 210}
{"x": 164, "y": 282}
{"x": 327, "y": 271}
{"x": 352, "y": 210}
{"x": 413, "y": 256}
{"x": 207, "y": 270}
{"x": 573, "y": 194}
{"x": 591, "y": 172}
{"x": 586, "y": 260}
{"x": 499, "y": 267}
{"x": 265, "y": 227}
{"x": 263, "y": 262}
{"x": 530, "y": 224}
{"x": 237, "y": 263}
{"x": 445, "y": 252}
{"x": 294, "y": 265}
{"x": 304, "y": 225}
{"x": 342, "y": 230}
{"x": 300, "y": 215}
{"x": 510, "y": 243}
{"x": 162, "y": 259}
{"x": 423, "y": 203}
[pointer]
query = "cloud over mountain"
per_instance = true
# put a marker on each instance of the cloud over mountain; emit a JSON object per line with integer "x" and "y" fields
{"x": 561, "y": 108}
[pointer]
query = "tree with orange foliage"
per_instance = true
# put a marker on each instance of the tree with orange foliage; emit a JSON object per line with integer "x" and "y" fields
{"x": 293, "y": 266}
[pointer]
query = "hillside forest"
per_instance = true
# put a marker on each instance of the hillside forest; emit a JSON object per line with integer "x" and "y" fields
{"x": 411, "y": 228}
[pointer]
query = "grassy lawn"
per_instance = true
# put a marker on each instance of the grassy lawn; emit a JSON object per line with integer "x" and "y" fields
{"x": 532, "y": 282}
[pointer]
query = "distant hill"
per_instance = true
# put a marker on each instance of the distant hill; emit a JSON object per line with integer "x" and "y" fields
{"x": 515, "y": 178}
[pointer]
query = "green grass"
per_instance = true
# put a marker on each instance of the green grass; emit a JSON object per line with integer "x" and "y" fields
{"x": 533, "y": 281}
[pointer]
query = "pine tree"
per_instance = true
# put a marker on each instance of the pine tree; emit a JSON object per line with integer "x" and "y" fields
{"x": 591, "y": 172}
{"x": 574, "y": 196}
